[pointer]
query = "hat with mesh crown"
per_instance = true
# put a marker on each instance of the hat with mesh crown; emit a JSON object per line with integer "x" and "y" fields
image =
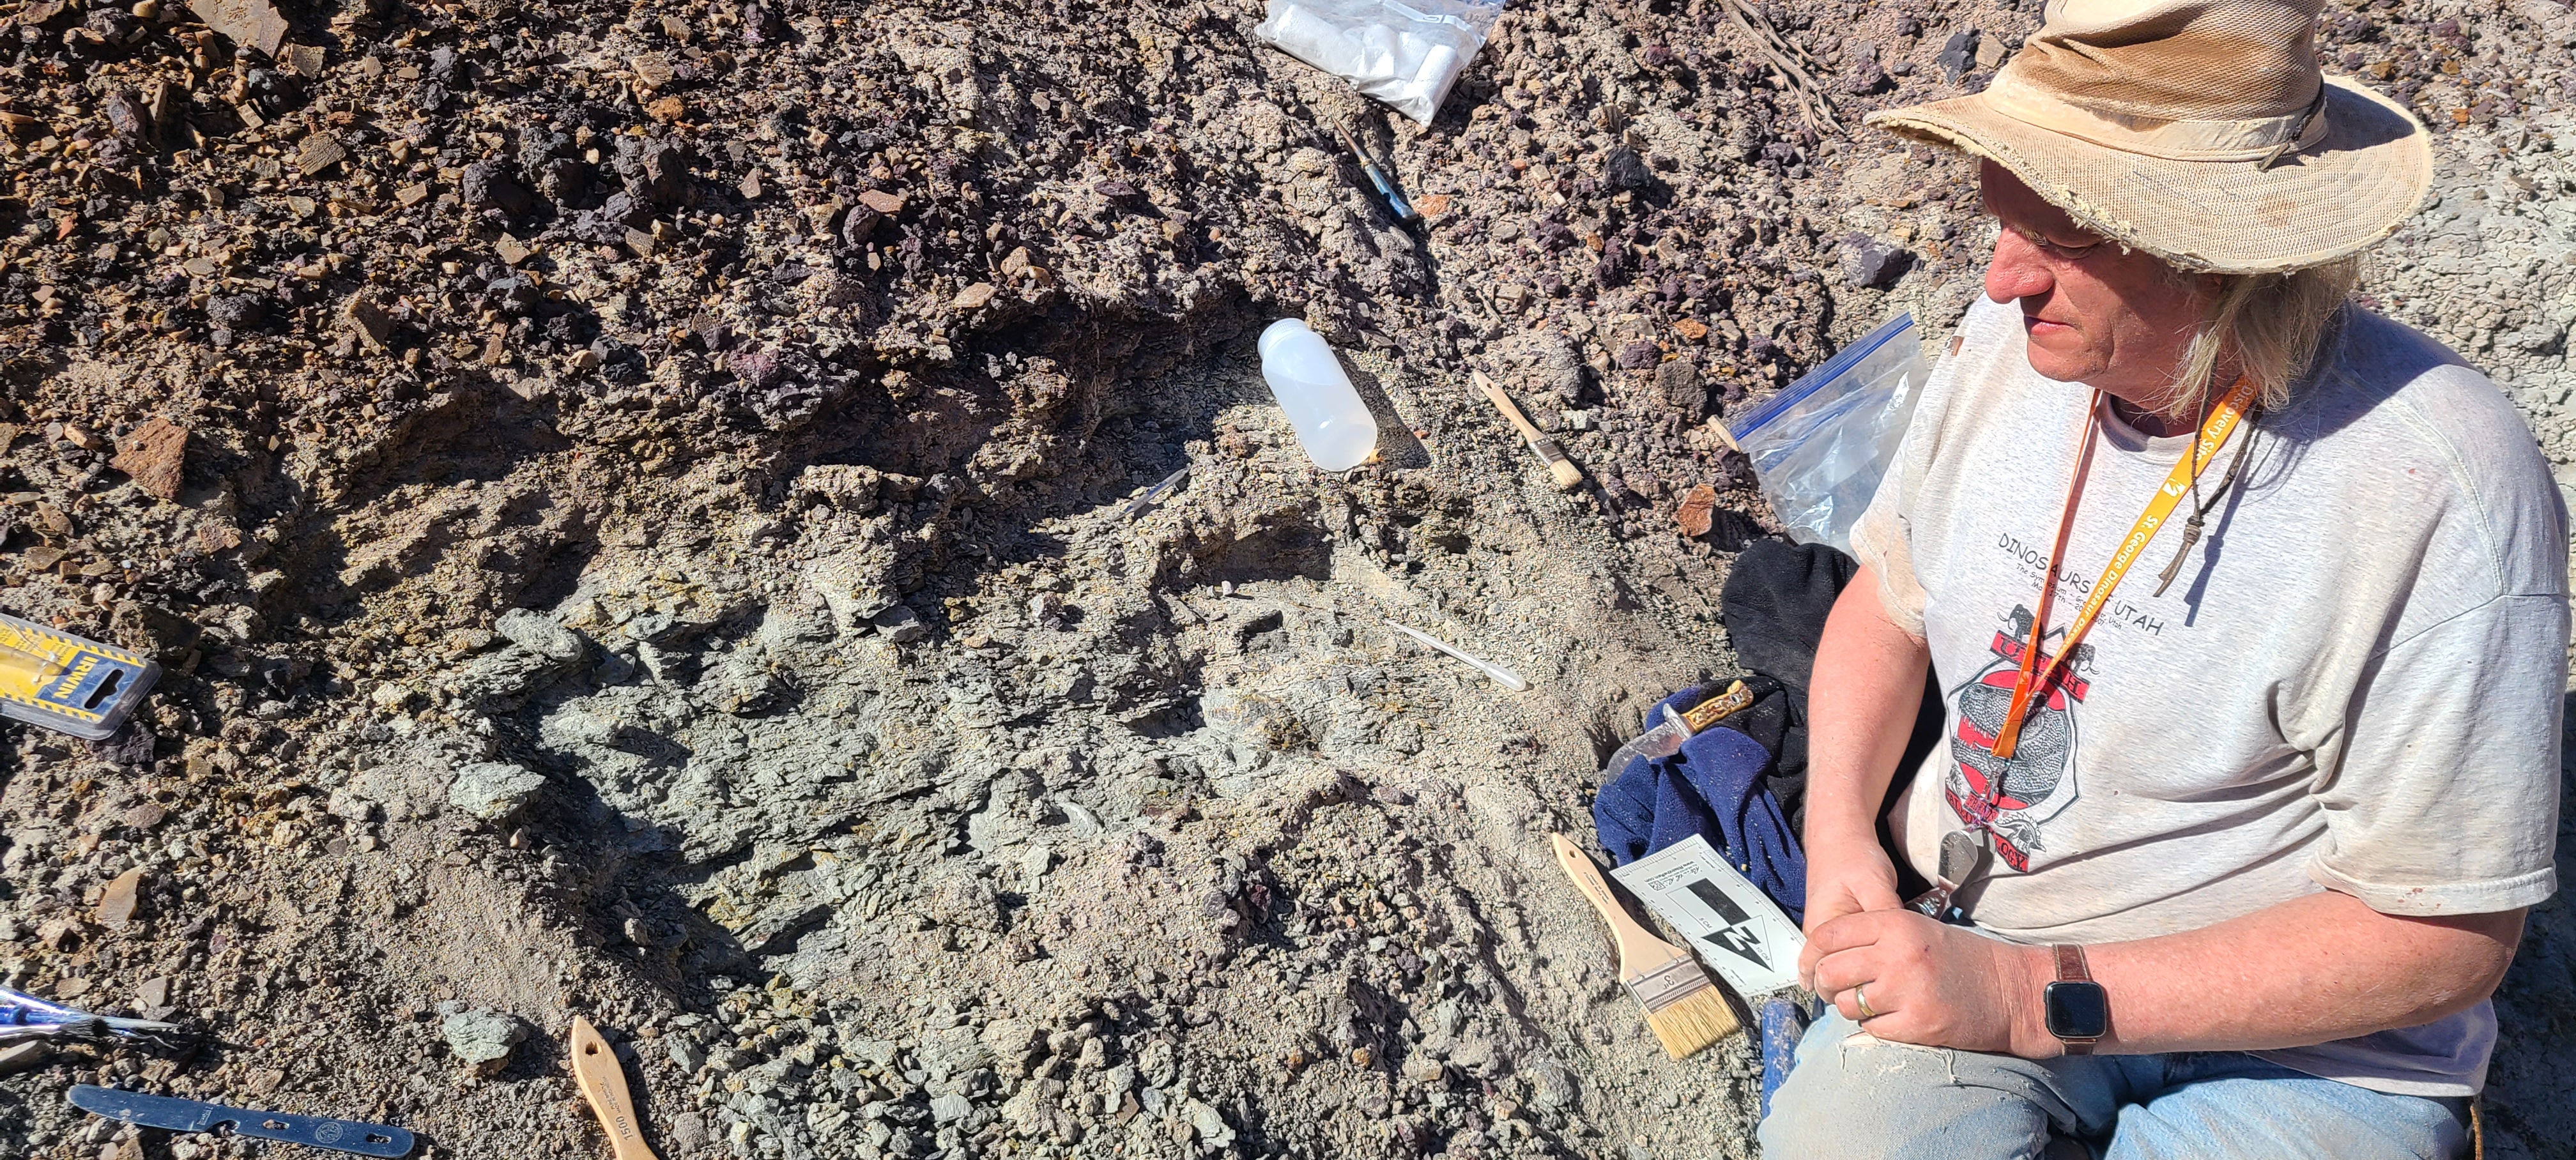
{"x": 2200, "y": 131}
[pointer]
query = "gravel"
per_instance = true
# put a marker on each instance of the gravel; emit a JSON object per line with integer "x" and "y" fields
{"x": 636, "y": 532}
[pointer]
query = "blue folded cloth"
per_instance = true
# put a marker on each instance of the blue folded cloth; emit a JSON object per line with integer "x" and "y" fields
{"x": 1716, "y": 787}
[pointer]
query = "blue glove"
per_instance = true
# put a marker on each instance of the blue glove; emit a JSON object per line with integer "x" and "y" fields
{"x": 1716, "y": 787}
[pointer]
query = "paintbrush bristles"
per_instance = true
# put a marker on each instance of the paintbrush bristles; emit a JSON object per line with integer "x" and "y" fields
{"x": 1694, "y": 1022}
{"x": 1568, "y": 476}
{"x": 1685, "y": 1009}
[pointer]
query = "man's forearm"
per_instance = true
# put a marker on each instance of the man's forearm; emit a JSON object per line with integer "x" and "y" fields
{"x": 2310, "y": 970}
{"x": 1861, "y": 702}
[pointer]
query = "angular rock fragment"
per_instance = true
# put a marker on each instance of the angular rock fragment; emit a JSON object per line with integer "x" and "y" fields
{"x": 1958, "y": 53}
{"x": 481, "y": 1040}
{"x": 488, "y": 185}
{"x": 25, "y": 1056}
{"x": 494, "y": 791}
{"x": 321, "y": 152}
{"x": 127, "y": 116}
{"x": 955, "y": 1050}
{"x": 1679, "y": 383}
{"x": 236, "y": 311}
{"x": 154, "y": 455}
{"x": 117, "y": 904}
{"x": 1871, "y": 263}
{"x": 368, "y": 321}
{"x": 901, "y": 625}
{"x": 1624, "y": 168}
{"x": 858, "y": 224}
{"x": 249, "y": 23}
{"x": 652, "y": 70}
{"x": 1698, "y": 511}
{"x": 540, "y": 635}
{"x": 303, "y": 60}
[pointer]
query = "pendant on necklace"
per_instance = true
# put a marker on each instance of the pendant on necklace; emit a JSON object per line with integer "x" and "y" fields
{"x": 2190, "y": 536}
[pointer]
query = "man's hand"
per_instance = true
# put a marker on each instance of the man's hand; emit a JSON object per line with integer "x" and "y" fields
{"x": 1935, "y": 985}
{"x": 1843, "y": 879}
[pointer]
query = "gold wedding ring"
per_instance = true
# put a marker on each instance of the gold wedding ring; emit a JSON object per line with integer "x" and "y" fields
{"x": 1861, "y": 997}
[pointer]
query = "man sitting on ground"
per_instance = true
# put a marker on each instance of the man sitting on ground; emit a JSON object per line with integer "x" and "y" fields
{"x": 2248, "y": 613}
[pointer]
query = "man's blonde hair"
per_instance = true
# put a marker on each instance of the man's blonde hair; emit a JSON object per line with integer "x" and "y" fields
{"x": 2270, "y": 325}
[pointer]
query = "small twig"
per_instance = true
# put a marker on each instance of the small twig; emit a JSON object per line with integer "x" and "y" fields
{"x": 1783, "y": 56}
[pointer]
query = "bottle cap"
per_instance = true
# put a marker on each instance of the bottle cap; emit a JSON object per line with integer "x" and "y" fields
{"x": 1281, "y": 329}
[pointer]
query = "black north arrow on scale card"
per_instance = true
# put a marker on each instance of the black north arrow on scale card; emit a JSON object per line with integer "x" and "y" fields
{"x": 180, "y": 1115}
{"x": 1738, "y": 934}
{"x": 1738, "y": 930}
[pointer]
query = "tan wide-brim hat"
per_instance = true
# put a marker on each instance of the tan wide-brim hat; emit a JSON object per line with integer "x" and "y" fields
{"x": 2200, "y": 131}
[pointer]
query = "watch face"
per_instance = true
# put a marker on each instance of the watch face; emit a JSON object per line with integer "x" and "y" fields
{"x": 2077, "y": 1010}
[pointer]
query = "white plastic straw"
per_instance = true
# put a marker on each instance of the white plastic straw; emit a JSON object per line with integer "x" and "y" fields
{"x": 1501, "y": 676}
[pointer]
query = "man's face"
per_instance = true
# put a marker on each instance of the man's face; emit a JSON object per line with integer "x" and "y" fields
{"x": 2095, "y": 313}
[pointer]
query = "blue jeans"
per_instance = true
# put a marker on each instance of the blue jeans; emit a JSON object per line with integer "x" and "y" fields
{"x": 1856, "y": 1097}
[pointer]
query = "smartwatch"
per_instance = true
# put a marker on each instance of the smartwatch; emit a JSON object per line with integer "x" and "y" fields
{"x": 2078, "y": 1011}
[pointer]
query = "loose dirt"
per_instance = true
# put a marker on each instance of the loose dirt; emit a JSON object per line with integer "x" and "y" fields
{"x": 634, "y": 507}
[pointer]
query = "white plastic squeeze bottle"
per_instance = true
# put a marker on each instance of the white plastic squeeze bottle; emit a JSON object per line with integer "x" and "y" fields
{"x": 1332, "y": 424}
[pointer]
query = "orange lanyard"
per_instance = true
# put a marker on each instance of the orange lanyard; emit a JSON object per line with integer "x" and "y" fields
{"x": 2032, "y": 678}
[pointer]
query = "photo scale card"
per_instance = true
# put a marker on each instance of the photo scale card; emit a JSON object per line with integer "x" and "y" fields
{"x": 1732, "y": 925}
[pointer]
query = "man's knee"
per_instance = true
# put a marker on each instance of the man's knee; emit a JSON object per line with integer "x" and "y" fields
{"x": 1860, "y": 1098}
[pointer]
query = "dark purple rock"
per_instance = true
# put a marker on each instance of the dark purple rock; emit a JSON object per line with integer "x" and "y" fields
{"x": 1864, "y": 78}
{"x": 757, "y": 369}
{"x": 1623, "y": 168}
{"x": 127, "y": 115}
{"x": 1959, "y": 52}
{"x": 236, "y": 311}
{"x": 130, "y": 745}
{"x": 488, "y": 185}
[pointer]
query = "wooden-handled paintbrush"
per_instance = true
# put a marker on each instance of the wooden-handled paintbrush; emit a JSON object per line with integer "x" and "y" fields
{"x": 602, "y": 1080}
{"x": 1685, "y": 1010}
{"x": 1568, "y": 476}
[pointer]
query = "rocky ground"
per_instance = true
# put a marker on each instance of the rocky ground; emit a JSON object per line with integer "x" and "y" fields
{"x": 635, "y": 509}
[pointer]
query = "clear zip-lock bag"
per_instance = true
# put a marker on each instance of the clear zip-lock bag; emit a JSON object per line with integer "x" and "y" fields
{"x": 1820, "y": 447}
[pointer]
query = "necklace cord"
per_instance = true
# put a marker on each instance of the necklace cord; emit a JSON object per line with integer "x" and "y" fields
{"x": 2191, "y": 524}
{"x": 2033, "y": 676}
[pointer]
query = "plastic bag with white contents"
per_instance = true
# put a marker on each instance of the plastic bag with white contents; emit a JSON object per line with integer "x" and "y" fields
{"x": 1403, "y": 52}
{"x": 1821, "y": 446}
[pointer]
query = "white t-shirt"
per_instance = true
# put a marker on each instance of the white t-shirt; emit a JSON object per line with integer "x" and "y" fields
{"x": 2354, "y": 682}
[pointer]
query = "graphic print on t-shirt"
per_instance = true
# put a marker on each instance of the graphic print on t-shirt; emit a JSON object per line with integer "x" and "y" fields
{"x": 2012, "y": 799}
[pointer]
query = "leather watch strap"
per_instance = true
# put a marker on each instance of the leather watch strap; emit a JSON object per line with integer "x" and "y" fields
{"x": 2071, "y": 969}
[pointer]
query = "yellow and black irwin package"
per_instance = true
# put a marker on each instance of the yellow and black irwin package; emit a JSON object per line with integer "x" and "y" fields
{"x": 69, "y": 683}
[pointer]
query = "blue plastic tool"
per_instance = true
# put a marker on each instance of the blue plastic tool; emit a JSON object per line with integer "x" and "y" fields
{"x": 180, "y": 1115}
